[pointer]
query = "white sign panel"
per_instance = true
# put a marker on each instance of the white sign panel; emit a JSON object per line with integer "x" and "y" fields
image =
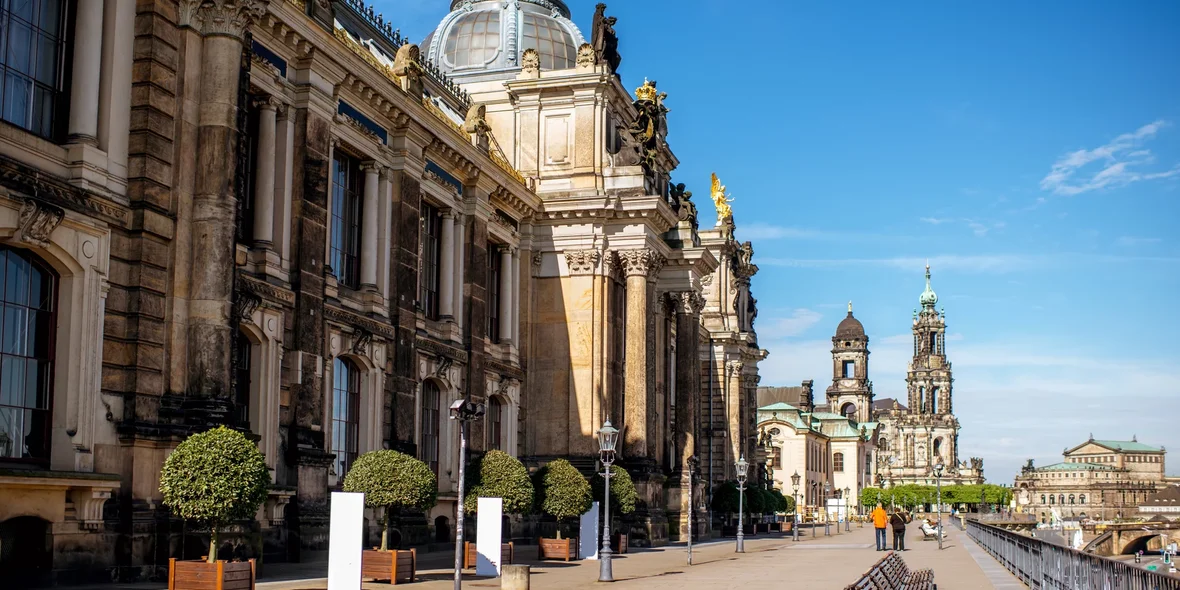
{"x": 588, "y": 536}
{"x": 487, "y": 539}
{"x": 344, "y": 543}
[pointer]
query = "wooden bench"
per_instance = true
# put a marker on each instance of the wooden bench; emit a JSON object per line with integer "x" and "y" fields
{"x": 469, "y": 554}
{"x": 891, "y": 573}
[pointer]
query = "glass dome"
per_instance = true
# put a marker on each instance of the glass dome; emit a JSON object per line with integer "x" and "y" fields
{"x": 487, "y": 38}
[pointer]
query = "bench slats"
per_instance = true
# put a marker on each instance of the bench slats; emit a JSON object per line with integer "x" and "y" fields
{"x": 892, "y": 573}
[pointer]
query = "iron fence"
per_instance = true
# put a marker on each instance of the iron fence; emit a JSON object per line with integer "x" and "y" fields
{"x": 1043, "y": 565}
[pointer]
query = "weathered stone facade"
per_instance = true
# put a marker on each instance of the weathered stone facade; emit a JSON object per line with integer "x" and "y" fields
{"x": 280, "y": 216}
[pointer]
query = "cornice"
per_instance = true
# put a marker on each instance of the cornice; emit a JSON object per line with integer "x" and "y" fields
{"x": 349, "y": 318}
{"x": 427, "y": 344}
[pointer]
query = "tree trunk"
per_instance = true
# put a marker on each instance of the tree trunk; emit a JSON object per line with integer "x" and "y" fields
{"x": 213, "y": 544}
{"x": 385, "y": 531}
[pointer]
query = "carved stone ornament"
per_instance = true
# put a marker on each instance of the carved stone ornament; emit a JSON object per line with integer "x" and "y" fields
{"x": 586, "y": 56}
{"x": 360, "y": 343}
{"x": 245, "y": 304}
{"x": 530, "y": 61}
{"x": 611, "y": 266}
{"x": 582, "y": 262}
{"x": 444, "y": 365}
{"x": 687, "y": 302}
{"x": 406, "y": 65}
{"x": 641, "y": 262}
{"x": 476, "y": 122}
{"x": 221, "y": 17}
{"x": 37, "y": 222}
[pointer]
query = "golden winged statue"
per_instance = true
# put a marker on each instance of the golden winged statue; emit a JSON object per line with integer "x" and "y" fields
{"x": 720, "y": 201}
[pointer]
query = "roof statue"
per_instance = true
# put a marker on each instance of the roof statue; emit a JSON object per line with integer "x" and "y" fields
{"x": 721, "y": 201}
{"x": 604, "y": 40}
{"x": 850, "y": 306}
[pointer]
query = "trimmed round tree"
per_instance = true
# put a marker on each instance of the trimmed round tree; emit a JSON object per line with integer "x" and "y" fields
{"x": 564, "y": 493}
{"x": 501, "y": 476}
{"x": 779, "y": 502}
{"x": 756, "y": 501}
{"x": 725, "y": 498}
{"x": 623, "y": 496}
{"x": 391, "y": 480}
{"x": 214, "y": 478}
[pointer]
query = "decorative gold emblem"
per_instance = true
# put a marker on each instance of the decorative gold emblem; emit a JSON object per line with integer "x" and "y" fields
{"x": 721, "y": 201}
{"x": 646, "y": 92}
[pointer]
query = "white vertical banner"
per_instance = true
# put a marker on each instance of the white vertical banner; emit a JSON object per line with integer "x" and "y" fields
{"x": 346, "y": 535}
{"x": 488, "y": 534}
{"x": 588, "y": 534}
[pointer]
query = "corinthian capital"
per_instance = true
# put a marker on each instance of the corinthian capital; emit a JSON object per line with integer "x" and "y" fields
{"x": 687, "y": 302}
{"x": 643, "y": 262}
{"x": 228, "y": 18}
{"x": 582, "y": 262}
{"x": 735, "y": 367}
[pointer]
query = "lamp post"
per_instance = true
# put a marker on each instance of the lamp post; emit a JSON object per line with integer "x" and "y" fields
{"x": 692, "y": 469}
{"x": 795, "y": 496}
{"x": 938, "y": 481}
{"x": 607, "y": 437}
{"x": 847, "y": 525}
{"x": 827, "y": 521}
{"x": 464, "y": 411}
{"x": 814, "y": 491}
{"x": 742, "y": 466}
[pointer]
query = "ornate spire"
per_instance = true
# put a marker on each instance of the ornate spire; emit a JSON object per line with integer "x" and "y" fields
{"x": 928, "y": 299}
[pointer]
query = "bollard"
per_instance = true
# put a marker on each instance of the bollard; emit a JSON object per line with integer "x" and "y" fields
{"x": 514, "y": 577}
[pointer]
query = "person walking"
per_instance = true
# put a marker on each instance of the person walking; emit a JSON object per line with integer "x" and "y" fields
{"x": 880, "y": 519}
{"x": 898, "y": 520}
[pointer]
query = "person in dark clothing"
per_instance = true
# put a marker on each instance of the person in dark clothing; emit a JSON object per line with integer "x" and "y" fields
{"x": 898, "y": 521}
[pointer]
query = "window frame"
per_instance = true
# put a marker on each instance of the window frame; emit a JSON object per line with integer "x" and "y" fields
{"x": 430, "y": 272}
{"x": 344, "y": 230}
{"x": 351, "y": 421}
{"x": 495, "y": 422}
{"x": 58, "y": 113}
{"x": 431, "y": 415}
{"x": 848, "y": 370}
{"x": 244, "y": 349}
{"x": 52, "y": 280}
{"x": 838, "y": 462}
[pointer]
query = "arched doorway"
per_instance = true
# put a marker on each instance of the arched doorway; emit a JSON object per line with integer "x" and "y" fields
{"x": 442, "y": 530}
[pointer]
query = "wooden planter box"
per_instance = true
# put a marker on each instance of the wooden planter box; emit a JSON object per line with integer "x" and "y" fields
{"x": 469, "y": 554}
{"x": 564, "y": 549}
{"x": 776, "y": 527}
{"x": 399, "y": 567}
{"x": 619, "y": 543}
{"x": 202, "y": 575}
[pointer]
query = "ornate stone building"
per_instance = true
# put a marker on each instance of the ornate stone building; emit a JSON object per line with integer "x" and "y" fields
{"x": 282, "y": 216}
{"x": 1099, "y": 479}
{"x": 914, "y": 438}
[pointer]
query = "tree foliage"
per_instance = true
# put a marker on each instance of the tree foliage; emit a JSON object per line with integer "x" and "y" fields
{"x": 215, "y": 477}
{"x": 623, "y": 495}
{"x": 911, "y": 496}
{"x": 500, "y": 475}
{"x": 756, "y": 501}
{"x": 393, "y": 480}
{"x": 779, "y": 502}
{"x": 725, "y": 498}
{"x": 562, "y": 491}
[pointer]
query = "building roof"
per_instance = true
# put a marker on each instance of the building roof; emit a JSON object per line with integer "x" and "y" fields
{"x": 1169, "y": 496}
{"x": 850, "y": 328}
{"x": 1077, "y": 467}
{"x": 777, "y": 407}
{"x": 886, "y": 403}
{"x": 1123, "y": 445}
{"x": 797, "y": 396}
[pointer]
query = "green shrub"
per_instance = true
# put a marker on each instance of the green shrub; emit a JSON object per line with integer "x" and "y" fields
{"x": 623, "y": 495}
{"x": 756, "y": 501}
{"x": 725, "y": 498}
{"x": 213, "y": 478}
{"x": 778, "y": 502}
{"x": 392, "y": 480}
{"x": 562, "y": 491}
{"x": 500, "y": 475}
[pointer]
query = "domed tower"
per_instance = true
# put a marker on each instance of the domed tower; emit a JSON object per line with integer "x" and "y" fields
{"x": 851, "y": 392}
{"x": 929, "y": 378}
{"x": 486, "y": 39}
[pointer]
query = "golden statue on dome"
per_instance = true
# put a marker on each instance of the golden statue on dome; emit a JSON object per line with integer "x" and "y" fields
{"x": 721, "y": 201}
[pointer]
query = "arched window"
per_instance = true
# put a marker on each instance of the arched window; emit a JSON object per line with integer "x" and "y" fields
{"x": 346, "y": 409}
{"x": 883, "y": 443}
{"x": 495, "y": 424}
{"x": 29, "y": 293}
{"x": 938, "y": 447}
{"x": 428, "y": 452}
{"x": 838, "y": 462}
{"x": 242, "y": 350}
{"x": 1042, "y": 498}
{"x": 1071, "y": 499}
{"x": 1082, "y": 499}
{"x": 1051, "y": 498}
{"x": 849, "y": 411}
{"x": 1061, "y": 498}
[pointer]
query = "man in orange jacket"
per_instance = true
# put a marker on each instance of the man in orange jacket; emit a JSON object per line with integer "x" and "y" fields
{"x": 880, "y": 521}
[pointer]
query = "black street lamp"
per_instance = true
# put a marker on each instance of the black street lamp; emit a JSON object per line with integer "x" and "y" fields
{"x": 814, "y": 491}
{"x": 938, "y": 479}
{"x": 742, "y": 466}
{"x": 607, "y": 437}
{"x": 847, "y": 517}
{"x": 464, "y": 411}
{"x": 795, "y": 496}
{"x": 692, "y": 469}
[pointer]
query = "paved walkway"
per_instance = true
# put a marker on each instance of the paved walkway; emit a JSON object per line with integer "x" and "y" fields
{"x": 823, "y": 562}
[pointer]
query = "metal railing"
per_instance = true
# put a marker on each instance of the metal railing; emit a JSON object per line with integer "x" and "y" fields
{"x": 1044, "y": 565}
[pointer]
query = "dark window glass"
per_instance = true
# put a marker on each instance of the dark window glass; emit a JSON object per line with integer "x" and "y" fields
{"x": 554, "y": 44}
{"x": 27, "y": 326}
{"x": 838, "y": 462}
{"x": 247, "y": 201}
{"x": 347, "y": 191}
{"x": 474, "y": 40}
{"x": 430, "y": 425}
{"x": 495, "y": 426}
{"x": 346, "y": 407}
{"x": 32, "y": 47}
{"x": 494, "y": 270}
{"x": 242, "y": 383}
{"x": 431, "y": 256}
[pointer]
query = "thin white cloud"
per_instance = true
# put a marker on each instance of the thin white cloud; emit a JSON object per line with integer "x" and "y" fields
{"x": 1130, "y": 241}
{"x": 797, "y": 323}
{"x": 1120, "y": 160}
{"x": 766, "y": 231}
{"x": 936, "y": 220}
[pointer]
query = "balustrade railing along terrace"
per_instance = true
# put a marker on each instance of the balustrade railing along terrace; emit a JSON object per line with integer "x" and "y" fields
{"x": 1044, "y": 565}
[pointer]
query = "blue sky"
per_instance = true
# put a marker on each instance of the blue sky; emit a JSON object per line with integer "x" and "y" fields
{"x": 1030, "y": 150}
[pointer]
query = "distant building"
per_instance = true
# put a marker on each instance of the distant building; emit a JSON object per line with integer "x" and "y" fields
{"x": 1101, "y": 479}
{"x": 1165, "y": 503}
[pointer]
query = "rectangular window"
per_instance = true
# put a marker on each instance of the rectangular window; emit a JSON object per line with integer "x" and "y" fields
{"x": 838, "y": 462}
{"x": 494, "y": 270}
{"x": 242, "y": 383}
{"x": 495, "y": 427}
{"x": 849, "y": 369}
{"x": 431, "y": 259}
{"x": 347, "y": 191}
{"x": 246, "y": 199}
{"x": 32, "y": 57}
{"x": 430, "y": 425}
{"x": 346, "y": 408}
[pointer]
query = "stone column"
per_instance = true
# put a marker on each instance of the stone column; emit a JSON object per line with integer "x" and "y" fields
{"x": 733, "y": 371}
{"x": 87, "y": 67}
{"x": 506, "y": 302}
{"x": 369, "y": 219}
{"x": 284, "y": 179}
{"x": 446, "y": 271}
{"x": 640, "y": 266}
{"x": 264, "y": 177}
{"x": 688, "y": 306}
{"x": 460, "y": 231}
{"x": 384, "y": 242}
{"x": 514, "y": 276}
{"x": 223, "y": 23}
{"x": 114, "y": 101}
